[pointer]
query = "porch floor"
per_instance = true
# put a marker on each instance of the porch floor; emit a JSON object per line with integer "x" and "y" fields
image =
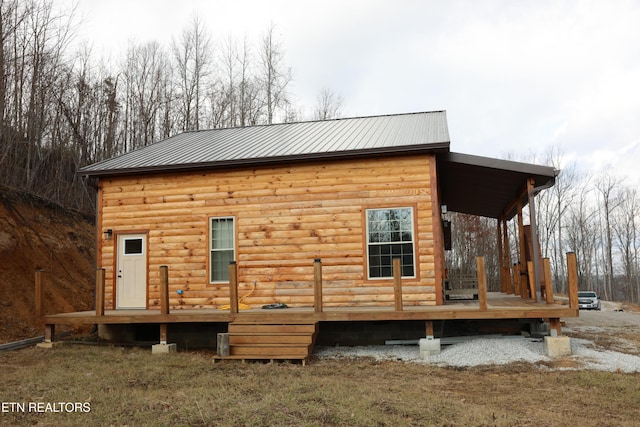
{"x": 499, "y": 306}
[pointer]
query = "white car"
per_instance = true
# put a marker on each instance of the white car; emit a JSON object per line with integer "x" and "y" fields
{"x": 588, "y": 300}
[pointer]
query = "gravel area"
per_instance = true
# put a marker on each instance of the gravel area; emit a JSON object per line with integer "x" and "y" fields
{"x": 501, "y": 351}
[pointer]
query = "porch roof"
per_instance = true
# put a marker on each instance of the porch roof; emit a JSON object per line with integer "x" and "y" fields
{"x": 485, "y": 186}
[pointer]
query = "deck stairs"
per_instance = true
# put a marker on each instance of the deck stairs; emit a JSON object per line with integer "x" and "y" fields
{"x": 270, "y": 341}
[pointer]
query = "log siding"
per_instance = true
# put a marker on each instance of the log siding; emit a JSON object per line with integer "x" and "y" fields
{"x": 284, "y": 218}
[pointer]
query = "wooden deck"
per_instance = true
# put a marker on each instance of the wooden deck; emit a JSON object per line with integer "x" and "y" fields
{"x": 499, "y": 306}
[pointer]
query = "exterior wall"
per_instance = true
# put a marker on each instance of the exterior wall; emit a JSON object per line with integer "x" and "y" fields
{"x": 285, "y": 217}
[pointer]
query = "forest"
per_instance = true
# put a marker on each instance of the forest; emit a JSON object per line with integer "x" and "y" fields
{"x": 62, "y": 107}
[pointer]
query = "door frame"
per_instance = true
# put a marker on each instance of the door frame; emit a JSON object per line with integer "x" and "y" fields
{"x": 116, "y": 260}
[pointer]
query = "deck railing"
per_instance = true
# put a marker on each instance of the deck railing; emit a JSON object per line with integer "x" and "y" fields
{"x": 317, "y": 286}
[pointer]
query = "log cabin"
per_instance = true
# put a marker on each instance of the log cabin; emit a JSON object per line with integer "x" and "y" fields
{"x": 337, "y": 220}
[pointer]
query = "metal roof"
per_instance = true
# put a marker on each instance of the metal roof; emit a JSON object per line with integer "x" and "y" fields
{"x": 468, "y": 184}
{"x": 485, "y": 186}
{"x": 316, "y": 140}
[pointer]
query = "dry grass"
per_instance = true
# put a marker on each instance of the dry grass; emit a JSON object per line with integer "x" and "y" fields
{"x": 133, "y": 387}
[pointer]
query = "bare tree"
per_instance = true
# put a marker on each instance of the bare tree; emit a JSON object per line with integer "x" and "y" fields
{"x": 608, "y": 188}
{"x": 145, "y": 73}
{"x": 328, "y": 105}
{"x": 192, "y": 54}
{"x": 625, "y": 228}
{"x": 581, "y": 236}
{"x": 275, "y": 78}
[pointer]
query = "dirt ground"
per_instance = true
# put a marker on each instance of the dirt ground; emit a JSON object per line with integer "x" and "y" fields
{"x": 616, "y": 327}
{"x": 35, "y": 234}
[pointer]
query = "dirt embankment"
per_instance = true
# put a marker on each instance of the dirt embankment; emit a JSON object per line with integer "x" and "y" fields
{"x": 35, "y": 234}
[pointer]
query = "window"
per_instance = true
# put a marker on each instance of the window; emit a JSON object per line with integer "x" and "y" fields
{"x": 132, "y": 246}
{"x": 390, "y": 234}
{"x": 222, "y": 248}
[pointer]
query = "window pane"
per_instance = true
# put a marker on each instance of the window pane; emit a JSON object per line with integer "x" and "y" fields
{"x": 390, "y": 233}
{"x": 222, "y": 233}
{"x": 222, "y": 248}
{"x": 220, "y": 265}
{"x": 132, "y": 246}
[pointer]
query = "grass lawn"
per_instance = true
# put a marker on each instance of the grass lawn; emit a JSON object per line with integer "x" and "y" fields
{"x": 130, "y": 386}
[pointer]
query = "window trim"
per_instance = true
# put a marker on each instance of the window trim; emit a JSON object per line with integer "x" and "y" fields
{"x": 414, "y": 241}
{"x": 211, "y": 249}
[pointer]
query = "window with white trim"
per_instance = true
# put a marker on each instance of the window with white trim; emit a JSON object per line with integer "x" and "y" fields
{"x": 222, "y": 248}
{"x": 390, "y": 234}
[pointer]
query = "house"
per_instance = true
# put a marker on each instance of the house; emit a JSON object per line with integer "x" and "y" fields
{"x": 351, "y": 194}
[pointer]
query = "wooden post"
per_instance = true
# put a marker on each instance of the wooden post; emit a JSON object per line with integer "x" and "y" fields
{"x": 532, "y": 280}
{"x": 523, "y": 277}
{"x": 429, "y": 328}
{"x": 164, "y": 289}
{"x": 100, "y": 292}
{"x": 233, "y": 287}
{"x": 501, "y": 264}
{"x": 397, "y": 283}
{"x": 49, "y": 332}
{"x": 317, "y": 285}
{"x": 516, "y": 279}
{"x": 572, "y": 271}
{"x": 548, "y": 283}
{"x": 555, "y": 325}
{"x": 482, "y": 283}
{"x": 163, "y": 333}
{"x": 507, "y": 257}
{"x": 39, "y": 294}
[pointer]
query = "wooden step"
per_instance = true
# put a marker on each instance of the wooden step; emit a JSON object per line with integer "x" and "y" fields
{"x": 267, "y": 341}
{"x": 253, "y": 328}
{"x": 268, "y": 351}
{"x": 247, "y": 338}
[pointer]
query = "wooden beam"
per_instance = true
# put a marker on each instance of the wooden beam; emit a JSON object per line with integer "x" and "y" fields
{"x": 572, "y": 272}
{"x": 100, "y": 283}
{"x": 482, "y": 283}
{"x": 233, "y": 287}
{"x": 317, "y": 285}
{"x": 548, "y": 281}
{"x": 164, "y": 289}
{"x": 397, "y": 284}
{"x": 39, "y": 293}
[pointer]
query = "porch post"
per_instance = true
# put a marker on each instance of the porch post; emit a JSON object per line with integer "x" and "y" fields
{"x": 397, "y": 284}
{"x": 535, "y": 253}
{"x": 164, "y": 289}
{"x": 507, "y": 257}
{"x": 572, "y": 271}
{"x": 233, "y": 287}
{"x": 39, "y": 292}
{"x": 317, "y": 285}
{"x": 501, "y": 265}
{"x": 548, "y": 284}
{"x": 100, "y": 292}
{"x": 522, "y": 268}
{"x": 482, "y": 283}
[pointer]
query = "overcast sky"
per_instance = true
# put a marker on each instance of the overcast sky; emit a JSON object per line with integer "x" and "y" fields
{"x": 515, "y": 77}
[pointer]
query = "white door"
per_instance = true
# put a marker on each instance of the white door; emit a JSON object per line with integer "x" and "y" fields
{"x": 131, "y": 277}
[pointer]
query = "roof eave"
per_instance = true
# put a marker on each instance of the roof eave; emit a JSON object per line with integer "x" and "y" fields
{"x": 431, "y": 148}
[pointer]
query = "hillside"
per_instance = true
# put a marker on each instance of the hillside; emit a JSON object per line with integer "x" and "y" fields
{"x": 36, "y": 234}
